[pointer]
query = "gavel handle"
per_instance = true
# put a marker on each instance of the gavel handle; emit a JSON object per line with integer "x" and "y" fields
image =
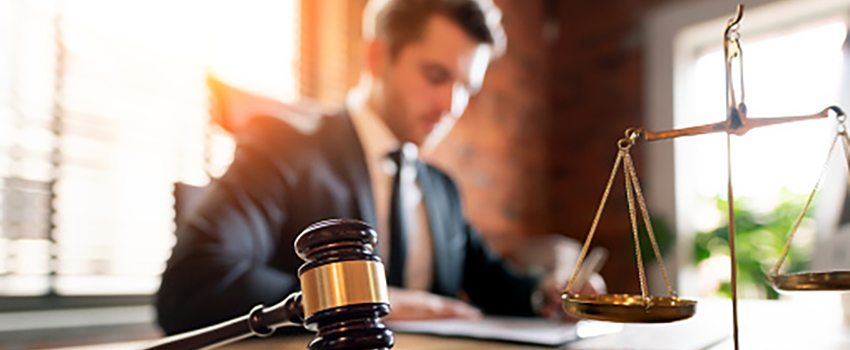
{"x": 261, "y": 321}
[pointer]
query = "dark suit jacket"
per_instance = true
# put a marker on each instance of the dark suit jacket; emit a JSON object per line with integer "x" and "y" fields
{"x": 236, "y": 249}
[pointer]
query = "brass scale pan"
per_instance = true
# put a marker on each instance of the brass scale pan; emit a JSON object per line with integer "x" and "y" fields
{"x": 627, "y": 308}
{"x": 813, "y": 281}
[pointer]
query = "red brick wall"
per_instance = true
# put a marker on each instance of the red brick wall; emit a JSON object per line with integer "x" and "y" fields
{"x": 596, "y": 93}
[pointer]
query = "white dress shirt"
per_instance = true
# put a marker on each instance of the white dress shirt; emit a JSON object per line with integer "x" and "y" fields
{"x": 378, "y": 142}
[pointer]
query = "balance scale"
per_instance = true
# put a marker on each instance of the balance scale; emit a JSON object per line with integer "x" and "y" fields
{"x": 644, "y": 308}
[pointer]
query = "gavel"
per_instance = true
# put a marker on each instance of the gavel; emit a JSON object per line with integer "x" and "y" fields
{"x": 343, "y": 296}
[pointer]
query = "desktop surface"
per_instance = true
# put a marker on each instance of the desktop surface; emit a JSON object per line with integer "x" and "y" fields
{"x": 774, "y": 325}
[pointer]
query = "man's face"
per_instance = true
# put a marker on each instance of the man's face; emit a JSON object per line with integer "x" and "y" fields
{"x": 425, "y": 89}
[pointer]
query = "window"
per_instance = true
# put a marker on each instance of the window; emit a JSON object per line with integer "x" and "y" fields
{"x": 103, "y": 106}
{"x": 787, "y": 72}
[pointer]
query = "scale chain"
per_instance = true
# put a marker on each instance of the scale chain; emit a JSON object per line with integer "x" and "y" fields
{"x": 846, "y": 149}
{"x": 775, "y": 270}
{"x": 645, "y": 213}
{"x": 632, "y": 190}
{"x": 593, "y": 226}
{"x": 633, "y": 219}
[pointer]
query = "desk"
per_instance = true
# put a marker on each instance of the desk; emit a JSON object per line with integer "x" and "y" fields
{"x": 403, "y": 342}
{"x": 765, "y": 325}
{"x": 815, "y": 323}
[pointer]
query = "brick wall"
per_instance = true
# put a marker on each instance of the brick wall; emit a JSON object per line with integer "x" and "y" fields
{"x": 596, "y": 93}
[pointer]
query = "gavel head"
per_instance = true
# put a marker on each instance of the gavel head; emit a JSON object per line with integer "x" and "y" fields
{"x": 344, "y": 286}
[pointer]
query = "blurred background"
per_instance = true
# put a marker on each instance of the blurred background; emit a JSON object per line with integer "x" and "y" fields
{"x": 105, "y": 105}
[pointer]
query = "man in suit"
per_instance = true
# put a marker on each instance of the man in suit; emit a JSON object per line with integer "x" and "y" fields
{"x": 424, "y": 59}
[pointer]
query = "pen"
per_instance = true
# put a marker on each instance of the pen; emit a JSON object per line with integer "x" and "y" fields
{"x": 592, "y": 264}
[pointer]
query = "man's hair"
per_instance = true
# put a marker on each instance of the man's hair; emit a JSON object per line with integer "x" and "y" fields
{"x": 401, "y": 22}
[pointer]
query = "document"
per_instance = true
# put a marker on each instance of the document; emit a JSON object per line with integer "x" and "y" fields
{"x": 509, "y": 329}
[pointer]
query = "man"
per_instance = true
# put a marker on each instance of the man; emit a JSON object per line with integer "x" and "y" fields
{"x": 424, "y": 59}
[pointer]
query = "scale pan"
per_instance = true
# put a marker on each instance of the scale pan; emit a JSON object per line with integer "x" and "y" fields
{"x": 627, "y": 308}
{"x": 831, "y": 280}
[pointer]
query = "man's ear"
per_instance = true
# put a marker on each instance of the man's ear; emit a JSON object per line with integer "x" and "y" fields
{"x": 376, "y": 56}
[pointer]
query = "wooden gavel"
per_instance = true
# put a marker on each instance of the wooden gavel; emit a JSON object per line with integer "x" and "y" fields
{"x": 343, "y": 296}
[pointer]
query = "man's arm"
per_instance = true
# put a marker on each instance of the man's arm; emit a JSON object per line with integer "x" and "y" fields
{"x": 491, "y": 284}
{"x": 486, "y": 279}
{"x": 219, "y": 266}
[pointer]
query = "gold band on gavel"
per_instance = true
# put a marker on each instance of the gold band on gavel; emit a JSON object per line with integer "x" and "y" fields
{"x": 343, "y": 283}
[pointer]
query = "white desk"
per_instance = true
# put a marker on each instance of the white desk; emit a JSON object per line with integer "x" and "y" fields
{"x": 764, "y": 325}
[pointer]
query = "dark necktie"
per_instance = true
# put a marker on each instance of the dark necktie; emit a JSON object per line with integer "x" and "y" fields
{"x": 398, "y": 226}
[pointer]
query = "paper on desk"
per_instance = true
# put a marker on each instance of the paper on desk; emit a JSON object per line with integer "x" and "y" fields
{"x": 509, "y": 329}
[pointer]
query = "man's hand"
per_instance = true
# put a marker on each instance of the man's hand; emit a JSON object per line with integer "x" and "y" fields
{"x": 420, "y": 305}
{"x": 553, "y": 285}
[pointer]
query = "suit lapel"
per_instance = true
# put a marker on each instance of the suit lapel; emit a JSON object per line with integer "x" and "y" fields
{"x": 436, "y": 203}
{"x": 353, "y": 163}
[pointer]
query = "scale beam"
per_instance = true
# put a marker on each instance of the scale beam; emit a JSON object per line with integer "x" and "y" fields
{"x": 737, "y": 124}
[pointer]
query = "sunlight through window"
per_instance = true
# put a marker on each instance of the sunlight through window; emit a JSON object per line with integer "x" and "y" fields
{"x": 789, "y": 72}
